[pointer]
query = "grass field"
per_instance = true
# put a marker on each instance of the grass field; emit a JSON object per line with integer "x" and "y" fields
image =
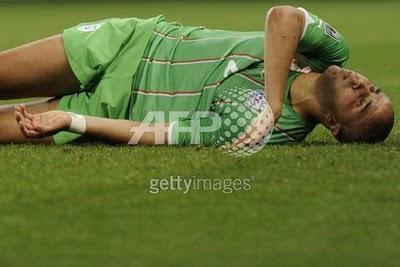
{"x": 313, "y": 204}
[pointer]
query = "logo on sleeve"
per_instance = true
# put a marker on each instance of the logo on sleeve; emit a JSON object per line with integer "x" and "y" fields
{"x": 89, "y": 27}
{"x": 330, "y": 31}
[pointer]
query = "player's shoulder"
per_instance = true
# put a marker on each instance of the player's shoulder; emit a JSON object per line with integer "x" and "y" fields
{"x": 278, "y": 11}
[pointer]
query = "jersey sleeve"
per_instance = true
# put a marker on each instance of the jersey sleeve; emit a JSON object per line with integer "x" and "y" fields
{"x": 320, "y": 45}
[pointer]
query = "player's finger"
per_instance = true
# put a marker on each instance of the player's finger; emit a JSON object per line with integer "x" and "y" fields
{"x": 28, "y": 133}
{"x": 18, "y": 116}
{"x": 23, "y": 129}
{"x": 25, "y": 112}
{"x": 17, "y": 108}
{"x": 33, "y": 134}
{"x": 28, "y": 124}
{"x": 21, "y": 118}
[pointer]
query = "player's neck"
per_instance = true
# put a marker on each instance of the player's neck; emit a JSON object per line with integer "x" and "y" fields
{"x": 304, "y": 97}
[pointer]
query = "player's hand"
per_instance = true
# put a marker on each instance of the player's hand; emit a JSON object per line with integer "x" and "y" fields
{"x": 42, "y": 124}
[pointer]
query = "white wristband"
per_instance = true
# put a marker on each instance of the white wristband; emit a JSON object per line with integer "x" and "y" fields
{"x": 78, "y": 123}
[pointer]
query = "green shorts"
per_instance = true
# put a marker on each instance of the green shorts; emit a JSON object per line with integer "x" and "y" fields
{"x": 104, "y": 56}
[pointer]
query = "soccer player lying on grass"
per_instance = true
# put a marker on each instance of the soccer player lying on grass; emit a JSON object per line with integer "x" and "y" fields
{"x": 117, "y": 71}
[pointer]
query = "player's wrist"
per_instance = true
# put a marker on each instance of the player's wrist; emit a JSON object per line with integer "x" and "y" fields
{"x": 67, "y": 121}
{"x": 76, "y": 123}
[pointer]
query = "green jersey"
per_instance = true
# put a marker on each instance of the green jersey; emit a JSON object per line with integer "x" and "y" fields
{"x": 184, "y": 69}
{"x": 129, "y": 68}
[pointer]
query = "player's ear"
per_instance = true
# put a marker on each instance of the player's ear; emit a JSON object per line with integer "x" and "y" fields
{"x": 332, "y": 124}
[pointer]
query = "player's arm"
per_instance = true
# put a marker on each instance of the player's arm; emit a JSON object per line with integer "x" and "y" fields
{"x": 283, "y": 29}
{"x": 108, "y": 130}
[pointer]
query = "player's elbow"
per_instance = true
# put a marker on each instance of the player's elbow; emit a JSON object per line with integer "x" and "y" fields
{"x": 282, "y": 14}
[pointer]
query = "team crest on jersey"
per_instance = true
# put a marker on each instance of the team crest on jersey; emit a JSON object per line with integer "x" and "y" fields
{"x": 89, "y": 27}
{"x": 330, "y": 31}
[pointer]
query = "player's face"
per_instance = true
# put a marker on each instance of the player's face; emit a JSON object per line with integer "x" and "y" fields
{"x": 357, "y": 99}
